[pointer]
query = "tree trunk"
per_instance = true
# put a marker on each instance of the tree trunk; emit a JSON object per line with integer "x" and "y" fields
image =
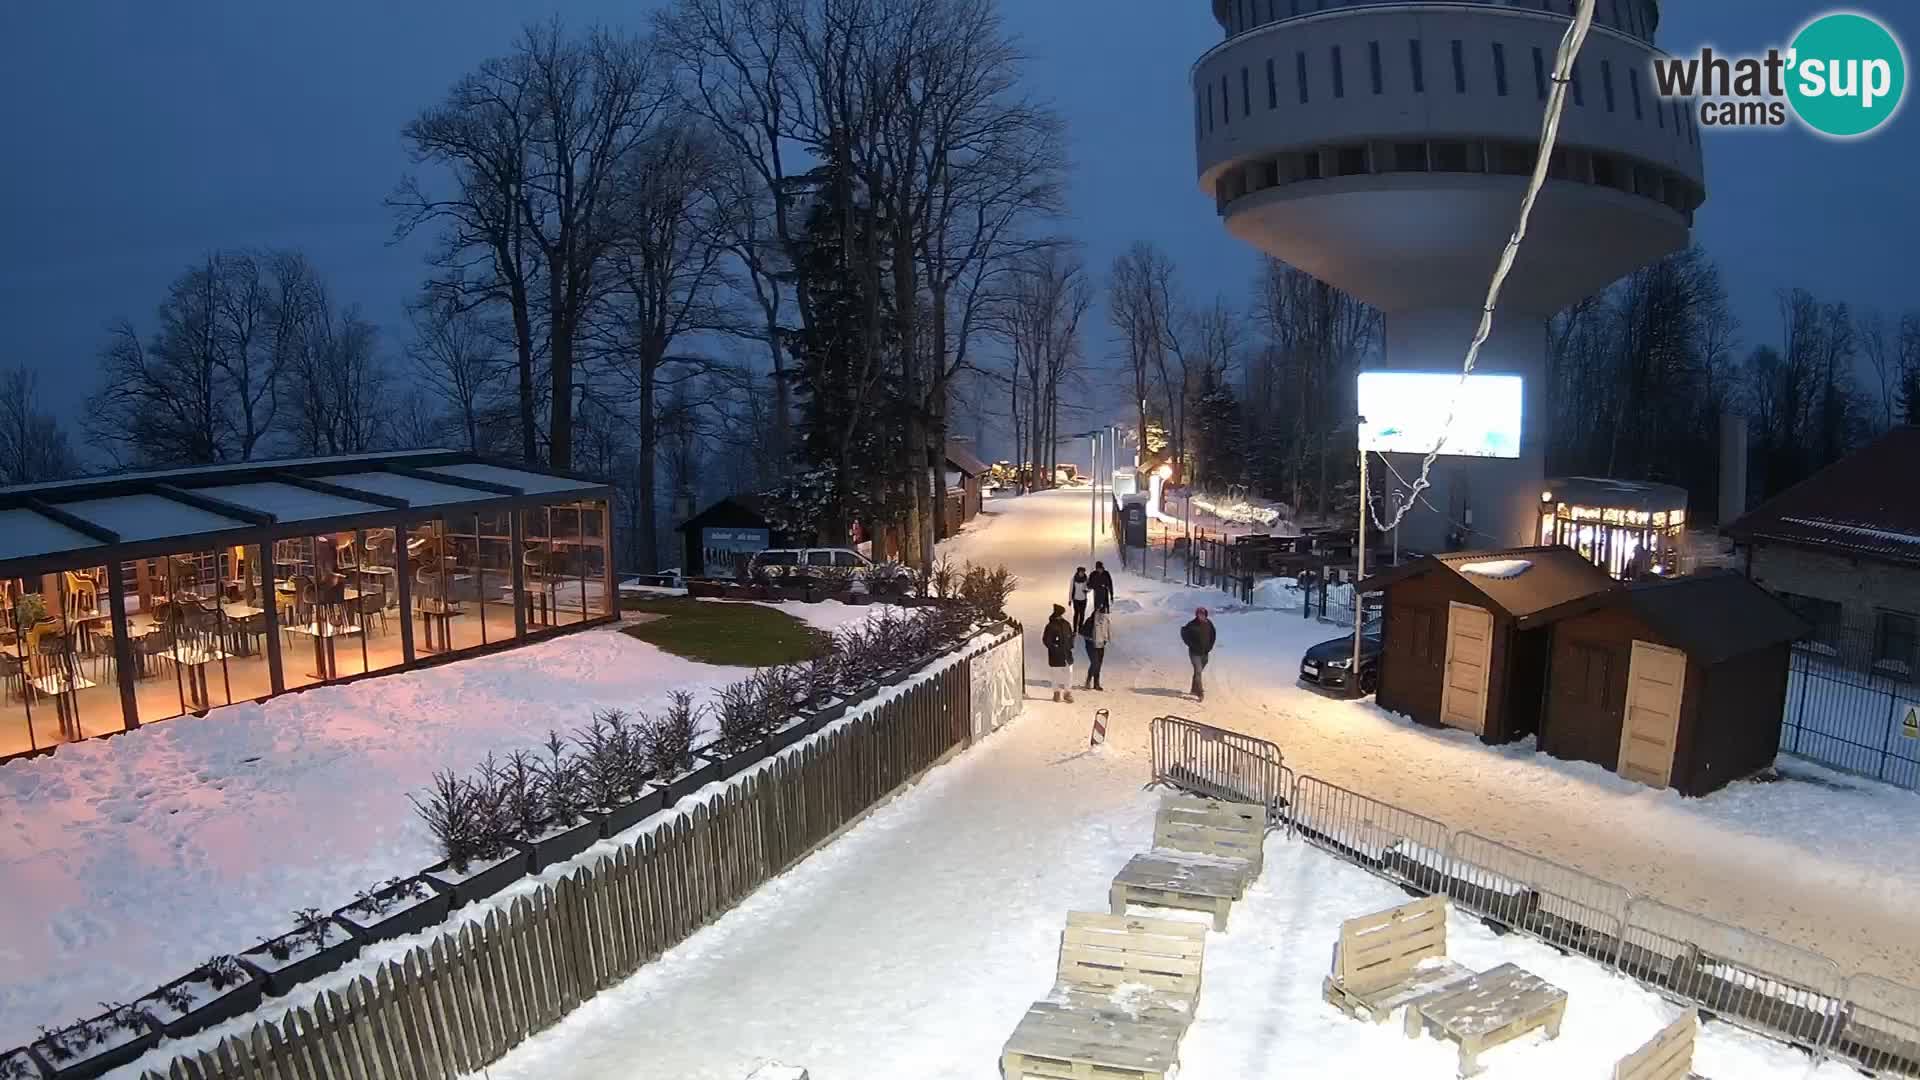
{"x": 649, "y": 524}
{"x": 560, "y": 359}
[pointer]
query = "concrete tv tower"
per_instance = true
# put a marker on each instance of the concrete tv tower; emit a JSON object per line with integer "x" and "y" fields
{"x": 1384, "y": 147}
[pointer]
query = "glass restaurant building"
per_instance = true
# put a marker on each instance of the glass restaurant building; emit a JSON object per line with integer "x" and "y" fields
{"x": 134, "y": 598}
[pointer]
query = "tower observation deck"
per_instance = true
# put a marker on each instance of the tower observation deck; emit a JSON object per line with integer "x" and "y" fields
{"x": 1384, "y": 148}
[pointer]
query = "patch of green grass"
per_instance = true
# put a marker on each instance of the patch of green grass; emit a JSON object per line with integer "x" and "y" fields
{"x": 733, "y": 634}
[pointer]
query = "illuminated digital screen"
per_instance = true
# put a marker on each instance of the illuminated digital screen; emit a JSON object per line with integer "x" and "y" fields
{"x": 1406, "y": 413}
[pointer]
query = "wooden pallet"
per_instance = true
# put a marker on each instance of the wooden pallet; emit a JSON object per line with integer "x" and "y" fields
{"x": 1059, "y": 1043}
{"x": 1158, "y": 961}
{"x": 1494, "y": 1007}
{"x": 1385, "y": 960}
{"x": 1666, "y": 1056}
{"x": 1172, "y": 880}
{"x": 1212, "y": 827}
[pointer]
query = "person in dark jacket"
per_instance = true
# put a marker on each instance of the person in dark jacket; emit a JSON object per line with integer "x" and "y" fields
{"x": 1096, "y": 632}
{"x": 1077, "y": 594}
{"x": 1058, "y": 638}
{"x": 1100, "y": 583}
{"x": 1199, "y": 636}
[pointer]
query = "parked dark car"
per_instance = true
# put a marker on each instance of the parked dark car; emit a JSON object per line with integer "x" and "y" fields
{"x": 1329, "y": 665}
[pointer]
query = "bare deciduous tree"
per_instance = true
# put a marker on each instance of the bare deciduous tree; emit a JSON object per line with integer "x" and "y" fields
{"x": 456, "y": 353}
{"x": 33, "y": 446}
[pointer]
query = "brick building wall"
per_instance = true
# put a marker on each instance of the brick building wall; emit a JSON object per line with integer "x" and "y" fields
{"x": 1862, "y": 587}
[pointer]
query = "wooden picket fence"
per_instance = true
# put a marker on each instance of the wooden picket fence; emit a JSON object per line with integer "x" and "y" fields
{"x": 458, "y": 1004}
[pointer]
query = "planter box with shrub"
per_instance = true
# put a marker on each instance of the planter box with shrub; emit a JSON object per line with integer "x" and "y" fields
{"x": 213, "y": 993}
{"x": 18, "y": 1064}
{"x": 618, "y": 819}
{"x": 790, "y": 732}
{"x": 95, "y": 1046}
{"x": 730, "y": 763}
{"x": 560, "y": 843}
{"x": 481, "y": 879}
{"x": 700, "y": 775}
{"x": 394, "y": 909}
{"x": 313, "y": 948}
{"x": 827, "y": 711}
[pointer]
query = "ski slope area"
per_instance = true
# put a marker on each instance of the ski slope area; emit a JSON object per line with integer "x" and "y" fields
{"x": 911, "y": 946}
{"x": 1813, "y": 860}
{"x": 125, "y": 862}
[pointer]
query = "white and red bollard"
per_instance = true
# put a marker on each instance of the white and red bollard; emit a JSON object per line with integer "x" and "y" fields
{"x": 1099, "y": 734}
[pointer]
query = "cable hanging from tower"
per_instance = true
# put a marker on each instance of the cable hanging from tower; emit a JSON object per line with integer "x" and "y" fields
{"x": 1569, "y": 51}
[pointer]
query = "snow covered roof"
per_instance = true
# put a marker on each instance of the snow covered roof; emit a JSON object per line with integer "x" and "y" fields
{"x": 1862, "y": 504}
{"x": 1522, "y": 582}
{"x": 1712, "y": 617}
{"x": 959, "y": 456}
{"x": 133, "y": 515}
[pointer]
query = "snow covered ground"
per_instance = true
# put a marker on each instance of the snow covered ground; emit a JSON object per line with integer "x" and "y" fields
{"x": 910, "y": 948}
{"x": 124, "y": 862}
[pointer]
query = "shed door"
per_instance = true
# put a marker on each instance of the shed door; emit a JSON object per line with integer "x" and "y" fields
{"x": 1463, "y": 697}
{"x": 1655, "y": 682}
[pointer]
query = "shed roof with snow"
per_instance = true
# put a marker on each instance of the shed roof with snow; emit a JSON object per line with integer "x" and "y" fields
{"x": 1713, "y": 617}
{"x": 964, "y": 459}
{"x": 1524, "y": 583}
{"x": 1862, "y": 504}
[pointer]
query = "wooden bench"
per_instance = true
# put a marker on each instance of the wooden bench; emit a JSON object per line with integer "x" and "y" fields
{"x": 1666, "y": 1056}
{"x": 1158, "y": 961}
{"x": 1385, "y": 960}
{"x": 1485, "y": 1010}
{"x": 1125, "y": 992}
{"x": 1205, "y": 852}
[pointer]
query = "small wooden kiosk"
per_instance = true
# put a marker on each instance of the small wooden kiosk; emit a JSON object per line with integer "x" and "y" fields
{"x": 1466, "y": 638}
{"x": 1678, "y": 683}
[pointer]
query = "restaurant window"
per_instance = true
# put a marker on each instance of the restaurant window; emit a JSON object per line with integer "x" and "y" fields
{"x": 1459, "y": 66}
{"x": 1894, "y": 636}
{"x": 1339, "y": 74}
{"x": 58, "y": 676}
{"x": 1300, "y": 74}
{"x": 493, "y": 571}
{"x": 1540, "y": 74}
{"x": 1373, "y": 64}
{"x": 193, "y": 632}
{"x": 1273, "y": 87}
{"x": 1419, "y": 73}
{"x": 319, "y": 594}
{"x": 448, "y": 584}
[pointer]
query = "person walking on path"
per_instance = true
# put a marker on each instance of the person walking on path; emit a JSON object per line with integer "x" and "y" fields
{"x": 1058, "y": 638}
{"x": 1077, "y": 593}
{"x": 1096, "y": 632}
{"x": 1199, "y": 636}
{"x": 1100, "y": 583}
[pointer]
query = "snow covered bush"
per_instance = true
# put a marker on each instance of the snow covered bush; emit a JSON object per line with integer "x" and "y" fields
{"x": 740, "y": 711}
{"x": 834, "y": 579}
{"x": 823, "y": 676}
{"x": 780, "y": 690}
{"x": 516, "y": 788}
{"x": 891, "y": 576}
{"x": 464, "y": 817}
{"x": 944, "y": 577}
{"x": 668, "y": 738}
{"x": 15, "y": 1065}
{"x": 985, "y": 590}
{"x": 382, "y": 898}
{"x": 613, "y": 760}
{"x": 563, "y": 800}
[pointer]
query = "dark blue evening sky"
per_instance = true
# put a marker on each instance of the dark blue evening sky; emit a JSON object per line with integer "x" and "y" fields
{"x": 141, "y": 135}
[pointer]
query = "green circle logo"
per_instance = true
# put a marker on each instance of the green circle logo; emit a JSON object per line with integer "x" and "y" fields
{"x": 1846, "y": 75}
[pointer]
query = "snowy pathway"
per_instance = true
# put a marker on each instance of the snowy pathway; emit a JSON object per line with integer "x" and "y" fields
{"x": 1824, "y": 862}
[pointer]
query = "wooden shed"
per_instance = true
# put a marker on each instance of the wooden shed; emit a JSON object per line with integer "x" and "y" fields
{"x": 965, "y": 471}
{"x": 720, "y": 539}
{"x": 1678, "y": 683}
{"x": 1468, "y": 635}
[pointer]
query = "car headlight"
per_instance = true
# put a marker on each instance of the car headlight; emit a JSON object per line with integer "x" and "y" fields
{"x": 1342, "y": 664}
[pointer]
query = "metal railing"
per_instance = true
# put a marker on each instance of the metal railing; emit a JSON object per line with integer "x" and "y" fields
{"x": 1221, "y": 763}
{"x": 1744, "y": 978}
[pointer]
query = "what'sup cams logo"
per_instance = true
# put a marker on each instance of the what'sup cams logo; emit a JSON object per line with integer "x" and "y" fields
{"x": 1843, "y": 76}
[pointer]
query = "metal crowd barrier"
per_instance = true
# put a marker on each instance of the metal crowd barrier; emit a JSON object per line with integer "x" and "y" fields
{"x": 1220, "y": 763}
{"x": 1735, "y": 975}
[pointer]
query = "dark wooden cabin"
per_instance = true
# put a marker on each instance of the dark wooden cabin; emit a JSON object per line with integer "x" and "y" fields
{"x": 1678, "y": 683}
{"x": 1465, "y": 646}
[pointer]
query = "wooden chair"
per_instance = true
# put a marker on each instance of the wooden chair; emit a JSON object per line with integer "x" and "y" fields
{"x": 1666, "y": 1056}
{"x": 1124, "y": 996}
{"x": 1380, "y": 961}
{"x": 1205, "y": 853}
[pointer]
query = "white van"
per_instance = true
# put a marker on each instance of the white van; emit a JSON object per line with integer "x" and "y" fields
{"x": 782, "y": 561}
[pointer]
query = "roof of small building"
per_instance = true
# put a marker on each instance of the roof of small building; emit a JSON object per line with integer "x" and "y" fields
{"x": 1552, "y": 577}
{"x": 97, "y": 519}
{"x": 1862, "y": 504}
{"x": 1609, "y": 494}
{"x": 1712, "y": 617}
{"x": 743, "y": 510}
{"x": 964, "y": 459}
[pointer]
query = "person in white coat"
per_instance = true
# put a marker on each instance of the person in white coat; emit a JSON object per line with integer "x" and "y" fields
{"x": 1077, "y": 594}
{"x": 1096, "y": 632}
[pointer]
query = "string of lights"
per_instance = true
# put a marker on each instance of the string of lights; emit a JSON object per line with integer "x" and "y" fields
{"x": 1569, "y": 51}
